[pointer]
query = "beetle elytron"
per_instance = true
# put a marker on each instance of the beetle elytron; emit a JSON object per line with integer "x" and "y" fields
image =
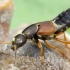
{"x": 46, "y": 30}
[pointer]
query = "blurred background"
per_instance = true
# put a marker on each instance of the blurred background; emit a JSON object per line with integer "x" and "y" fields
{"x": 30, "y": 11}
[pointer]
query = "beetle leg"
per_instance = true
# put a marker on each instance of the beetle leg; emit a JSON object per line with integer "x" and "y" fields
{"x": 65, "y": 40}
{"x": 41, "y": 52}
{"x": 61, "y": 40}
{"x": 64, "y": 36}
{"x": 15, "y": 48}
{"x": 53, "y": 47}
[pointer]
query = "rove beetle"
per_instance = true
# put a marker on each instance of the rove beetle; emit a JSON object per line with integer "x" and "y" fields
{"x": 46, "y": 30}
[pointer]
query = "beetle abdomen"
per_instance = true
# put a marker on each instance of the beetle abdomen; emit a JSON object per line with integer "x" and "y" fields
{"x": 62, "y": 21}
{"x": 30, "y": 31}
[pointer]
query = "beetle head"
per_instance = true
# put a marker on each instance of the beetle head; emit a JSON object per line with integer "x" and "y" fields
{"x": 19, "y": 40}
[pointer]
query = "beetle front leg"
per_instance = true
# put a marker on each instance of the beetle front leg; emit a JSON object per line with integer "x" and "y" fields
{"x": 41, "y": 52}
{"x": 15, "y": 48}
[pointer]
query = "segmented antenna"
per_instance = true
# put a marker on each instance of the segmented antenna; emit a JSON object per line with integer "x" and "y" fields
{"x": 5, "y": 42}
